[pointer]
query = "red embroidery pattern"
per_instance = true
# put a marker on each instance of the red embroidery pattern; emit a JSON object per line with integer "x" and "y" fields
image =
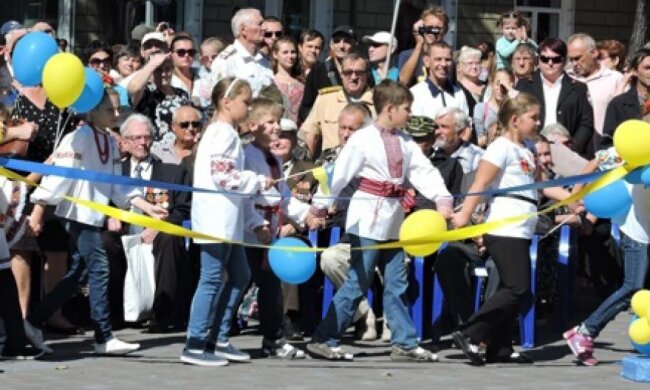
{"x": 393, "y": 149}
{"x": 525, "y": 166}
{"x": 221, "y": 166}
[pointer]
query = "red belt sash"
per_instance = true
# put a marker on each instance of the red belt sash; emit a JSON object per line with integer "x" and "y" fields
{"x": 388, "y": 190}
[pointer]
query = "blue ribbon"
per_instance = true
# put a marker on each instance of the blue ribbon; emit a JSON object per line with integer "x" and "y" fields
{"x": 80, "y": 174}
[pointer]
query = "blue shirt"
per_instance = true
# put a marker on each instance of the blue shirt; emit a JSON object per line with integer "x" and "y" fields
{"x": 393, "y": 74}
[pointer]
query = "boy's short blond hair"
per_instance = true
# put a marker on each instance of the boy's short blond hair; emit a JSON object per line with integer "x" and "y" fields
{"x": 261, "y": 106}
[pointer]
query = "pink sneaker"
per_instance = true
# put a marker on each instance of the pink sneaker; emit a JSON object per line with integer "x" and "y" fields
{"x": 582, "y": 346}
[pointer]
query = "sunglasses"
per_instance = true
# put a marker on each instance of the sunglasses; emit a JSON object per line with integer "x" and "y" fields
{"x": 99, "y": 61}
{"x": 186, "y": 124}
{"x": 339, "y": 39}
{"x": 153, "y": 43}
{"x": 185, "y": 52}
{"x": 555, "y": 59}
{"x": 349, "y": 72}
{"x": 377, "y": 44}
{"x": 277, "y": 34}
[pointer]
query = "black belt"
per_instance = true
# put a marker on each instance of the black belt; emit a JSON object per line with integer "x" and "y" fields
{"x": 517, "y": 196}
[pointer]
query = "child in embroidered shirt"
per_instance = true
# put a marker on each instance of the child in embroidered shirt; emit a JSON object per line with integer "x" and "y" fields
{"x": 219, "y": 165}
{"x": 514, "y": 27}
{"x": 274, "y": 205}
{"x": 382, "y": 158}
{"x": 89, "y": 147}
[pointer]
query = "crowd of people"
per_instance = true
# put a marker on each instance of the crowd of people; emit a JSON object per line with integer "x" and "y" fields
{"x": 252, "y": 118}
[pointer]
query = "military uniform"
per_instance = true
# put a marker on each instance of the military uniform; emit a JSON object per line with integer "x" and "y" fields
{"x": 236, "y": 61}
{"x": 324, "y": 116}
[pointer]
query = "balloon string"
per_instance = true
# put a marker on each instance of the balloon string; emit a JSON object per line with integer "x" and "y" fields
{"x": 59, "y": 128}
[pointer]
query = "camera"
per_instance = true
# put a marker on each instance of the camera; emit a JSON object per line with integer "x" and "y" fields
{"x": 163, "y": 27}
{"x": 429, "y": 30}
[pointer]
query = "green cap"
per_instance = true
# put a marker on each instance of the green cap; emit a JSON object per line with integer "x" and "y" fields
{"x": 420, "y": 126}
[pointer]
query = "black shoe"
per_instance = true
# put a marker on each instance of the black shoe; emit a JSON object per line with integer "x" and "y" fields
{"x": 25, "y": 353}
{"x": 291, "y": 330}
{"x": 159, "y": 327}
{"x": 474, "y": 353}
{"x": 513, "y": 358}
{"x": 72, "y": 331}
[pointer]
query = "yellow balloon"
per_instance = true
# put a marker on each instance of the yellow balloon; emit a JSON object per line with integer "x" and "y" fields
{"x": 639, "y": 331}
{"x": 641, "y": 302}
{"x": 424, "y": 225}
{"x": 63, "y": 79}
{"x": 632, "y": 142}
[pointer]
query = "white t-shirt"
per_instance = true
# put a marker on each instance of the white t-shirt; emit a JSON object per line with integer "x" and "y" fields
{"x": 517, "y": 165}
{"x": 637, "y": 221}
{"x": 551, "y": 97}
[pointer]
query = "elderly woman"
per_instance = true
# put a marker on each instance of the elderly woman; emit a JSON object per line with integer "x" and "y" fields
{"x": 469, "y": 70}
{"x": 186, "y": 124}
{"x": 158, "y": 99}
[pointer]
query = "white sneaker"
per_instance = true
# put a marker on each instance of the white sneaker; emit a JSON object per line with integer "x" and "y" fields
{"x": 115, "y": 346}
{"x": 35, "y": 336}
{"x": 385, "y": 332}
{"x": 367, "y": 331}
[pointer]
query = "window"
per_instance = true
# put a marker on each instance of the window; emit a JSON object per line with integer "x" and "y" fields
{"x": 548, "y": 18}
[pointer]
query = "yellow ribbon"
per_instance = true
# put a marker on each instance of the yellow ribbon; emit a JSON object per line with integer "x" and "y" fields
{"x": 451, "y": 235}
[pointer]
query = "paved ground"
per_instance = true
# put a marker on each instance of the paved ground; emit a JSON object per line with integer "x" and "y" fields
{"x": 157, "y": 367}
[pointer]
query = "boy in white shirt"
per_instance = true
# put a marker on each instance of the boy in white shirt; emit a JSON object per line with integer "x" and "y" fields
{"x": 382, "y": 158}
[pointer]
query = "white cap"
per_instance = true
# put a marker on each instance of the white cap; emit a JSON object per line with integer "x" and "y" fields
{"x": 382, "y": 37}
{"x": 157, "y": 36}
{"x": 287, "y": 124}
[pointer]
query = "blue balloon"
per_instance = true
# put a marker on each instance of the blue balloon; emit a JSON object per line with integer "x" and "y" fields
{"x": 643, "y": 349}
{"x": 292, "y": 266}
{"x": 635, "y": 177}
{"x": 610, "y": 201}
{"x": 645, "y": 175}
{"x": 91, "y": 94}
{"x": 30, "y": 56}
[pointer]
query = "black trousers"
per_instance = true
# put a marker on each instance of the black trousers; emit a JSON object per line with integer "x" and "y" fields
{"x": 269, "y": 296}
{"x": 171, "y": 270}
{"x": 10, "y": 313}
{"x": 494, "y": 323}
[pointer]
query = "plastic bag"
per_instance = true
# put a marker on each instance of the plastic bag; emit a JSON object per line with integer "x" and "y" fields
{"x": 139, "y": 283}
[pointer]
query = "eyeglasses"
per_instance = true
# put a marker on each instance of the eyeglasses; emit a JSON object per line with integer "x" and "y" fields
{"x": 186, "y": 124}
{"x": 339, "y": 39}
{"x": 277, "y": 34}
{"x": 99, "y": 61}
{"x": 146, "y": 137}
{"x": 555, "y": 59}
{"x": 350, "y": 72}
{"x": 184, "y": 52}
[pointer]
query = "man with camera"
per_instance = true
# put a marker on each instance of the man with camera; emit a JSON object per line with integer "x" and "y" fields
{"x": 431, "y": 28}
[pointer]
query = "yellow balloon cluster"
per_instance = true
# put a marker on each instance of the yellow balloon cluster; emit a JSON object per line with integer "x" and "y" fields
{"x": 63, "y": 79}
{"x": 422, "y": 225}
{"x": 639, "y": 330}
{"x": 632, "y": 142}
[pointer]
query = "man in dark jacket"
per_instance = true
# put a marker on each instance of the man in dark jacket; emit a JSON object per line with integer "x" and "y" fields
{"x": 562, "y": 99}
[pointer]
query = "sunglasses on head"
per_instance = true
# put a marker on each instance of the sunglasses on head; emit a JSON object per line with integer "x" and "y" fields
{"x": 184, "y": 52}
{"x": 554, "y": 59}
{"x": 186, "y": 124}
{"x": 99, "y": 61}
{"x": 277, "y": 34}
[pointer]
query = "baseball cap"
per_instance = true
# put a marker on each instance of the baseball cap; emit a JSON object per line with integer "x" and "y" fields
{"x": 419, "y": 126}
{"x": 139, "y": 31}
{"x": 382, "y": 37}
{"x": 343, "y": 29}
{"x": 287, "y": 124}
{"x": 153, "y": 36}
{"x": 9, "y": 26}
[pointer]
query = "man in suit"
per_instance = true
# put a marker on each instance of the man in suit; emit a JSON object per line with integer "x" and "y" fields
{"x": 563, "y": 100}
{"x": 169, "y": 251}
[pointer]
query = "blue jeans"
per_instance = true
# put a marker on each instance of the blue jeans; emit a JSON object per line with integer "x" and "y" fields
{"x": 214, "y": 301}
{"x": 362, "y": 269}
{"x": 87, "y": 246}
{"x": 635, "y": 265}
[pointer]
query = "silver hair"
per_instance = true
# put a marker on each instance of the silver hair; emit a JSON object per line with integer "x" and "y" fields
{"x": 555, "y": 129}
{"x": 461, "y": 119}
{"x": 241, "y": 17}
{"x": 197, "y": 112}
{"x": 135, "y": 118}
{"x": 586, "y": 40}
{"x": 467, "y": 53}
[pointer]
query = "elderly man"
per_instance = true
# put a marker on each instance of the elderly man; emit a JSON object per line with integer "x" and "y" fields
{"x": 327, "y": 73}
{"x": 377, "y": 52}
{"x": 168, "y": 250}
{"x": 603, "y": 83}
{"x": 186, "y": 125}
{"x": 452, "y": 123}
{"x": 320, "y": 128}
{"x": 438, "y": 90}
{"x": 242, "y": 59}
{"x": 524, "y": 61}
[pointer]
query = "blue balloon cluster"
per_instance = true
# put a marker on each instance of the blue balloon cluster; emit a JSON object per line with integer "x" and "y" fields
{"x": 290, "y": 262}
